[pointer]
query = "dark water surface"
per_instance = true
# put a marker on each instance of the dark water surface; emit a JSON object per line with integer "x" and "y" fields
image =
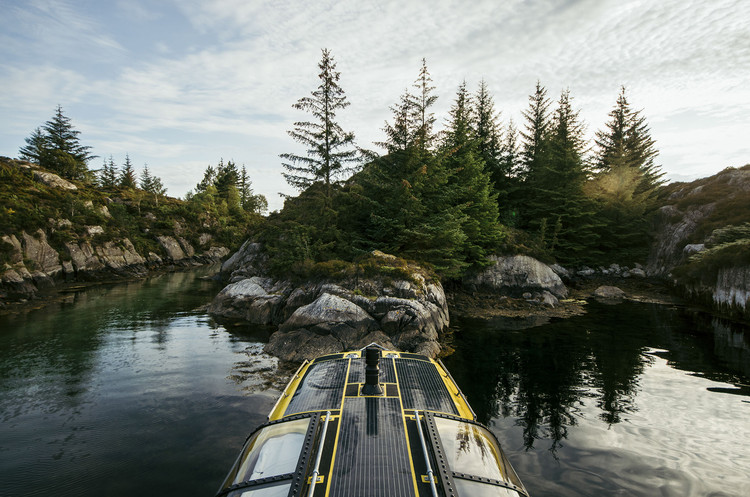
{"x": 129, "y": 390}
{"x": 632, "y": 399}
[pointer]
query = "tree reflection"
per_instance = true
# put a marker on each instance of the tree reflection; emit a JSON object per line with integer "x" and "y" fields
{"x": 543, "y": 375}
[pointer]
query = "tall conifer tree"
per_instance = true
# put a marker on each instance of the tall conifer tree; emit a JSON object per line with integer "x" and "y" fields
{"x": 128, "y": 174}
{"x": 329, "y": 147}
{"x": 56, "y": 147}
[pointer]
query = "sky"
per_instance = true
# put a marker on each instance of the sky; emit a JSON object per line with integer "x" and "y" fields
{"x": 180, "y": 84}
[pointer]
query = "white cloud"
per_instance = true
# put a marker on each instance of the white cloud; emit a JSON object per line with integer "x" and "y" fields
{"x": 251, "y": 61}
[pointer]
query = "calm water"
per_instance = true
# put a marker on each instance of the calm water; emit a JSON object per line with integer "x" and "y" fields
{"x": 129, "y": 390}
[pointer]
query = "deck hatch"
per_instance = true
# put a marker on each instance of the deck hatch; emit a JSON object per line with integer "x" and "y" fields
{"x": 372, "y": 458}
{"x": 422, "y": 387}
{"x": 321, "y": 389}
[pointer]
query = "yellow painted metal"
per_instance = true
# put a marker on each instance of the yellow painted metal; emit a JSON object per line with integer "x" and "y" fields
{"x": 464, "y": 411}
{"x": 406, "y": 432}
{"x": 338, "y": 430}
{"x": 278, "y": 410}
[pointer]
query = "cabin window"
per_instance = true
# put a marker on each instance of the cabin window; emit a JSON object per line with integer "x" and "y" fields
{"x": 266, "y": 491}
{"x": 473, "y": 454}
{"x": 477, "y": 489}
{"x": 273, "y": 451}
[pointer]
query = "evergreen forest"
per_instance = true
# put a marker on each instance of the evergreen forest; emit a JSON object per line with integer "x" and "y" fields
{"x": 449, "y": 198}
{"x": 446, "y": 195}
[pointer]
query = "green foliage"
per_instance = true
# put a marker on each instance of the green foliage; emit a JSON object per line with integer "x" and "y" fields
{"x": 329, "y": 147}
{"x": 28, "y": 205}
{"x": 55, "y": 146}
{"x": 127, "y": 175}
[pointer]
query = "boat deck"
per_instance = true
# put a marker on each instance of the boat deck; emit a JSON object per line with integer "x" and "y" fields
{"x": 414, "y": 435}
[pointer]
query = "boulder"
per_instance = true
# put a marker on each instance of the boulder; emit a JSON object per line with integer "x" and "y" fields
{"x": 606, "y": 292}
{"x": 172, "y": 248}
{"x": 93, "y": 230}
{"x": 16, "y": 252}
{"x": 515, "y": 275}
{"x": 186, "y": 247}
{"x": 327, "y": 313}
{"x": 216, "y": 253}
{"x": 53, "y": 180}
{"x": 404, "y": 314}
{"x": 84, "y": 257}
{"x": 300, "y": 345}
{"x": 247, "y": 300}
{"x": 45, "y": 258}
{"x": 248, "y": 261}
{"x": 121, "y": 257}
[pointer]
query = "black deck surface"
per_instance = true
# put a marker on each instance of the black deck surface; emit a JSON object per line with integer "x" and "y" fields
{"x": 372, "y": 458}
{"x": 321, "y": 389}
{"x": 422, "y": 387}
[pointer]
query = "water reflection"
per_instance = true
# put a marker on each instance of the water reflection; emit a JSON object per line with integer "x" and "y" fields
{"x": 543, "y": 376}
{"x": 123, "y": 380}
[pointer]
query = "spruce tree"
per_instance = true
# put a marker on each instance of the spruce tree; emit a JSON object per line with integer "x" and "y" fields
{"x": 56, "y": 147}
{"x": 627, "y": 142}
{"x": 625, "y": 183}
{"x": 36, "y": 147}
{"x": 108, "y": 174}
{"x": 468, "y": 194}
{"x": 146, "y": 181}
{"x": 249, "y": 201}
{"x": 533, "y": 156}
{"x": 508, "y": 197}
{"x": 128, "y": 175}
{"x": 422, "y": 119}
{"x": 227, "y": 177}
{"x": 329, "y": 147}
{"x": 566, "y": 208}
{"x": 537, "y": 125}
{"x": 209, "y": 177}
{"x": 485, "y": 123}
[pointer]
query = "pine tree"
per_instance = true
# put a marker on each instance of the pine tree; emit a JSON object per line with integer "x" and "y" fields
{"x": 329, "y": 147}
{"x": 627, "y": 142}
{"x": 468, "y": 194}
{"x": 209, "y": 177}
{"x": 56, "y": 147}
{"x": 421, "y": 119}
{"x": 487, "y": 131}
{"x": 626, "y": 183}
{"x": 533, "y": 156}
{"x": 128, "y": 175}
{"x": 108, "y": 174}
{"x": 36, "y": 147}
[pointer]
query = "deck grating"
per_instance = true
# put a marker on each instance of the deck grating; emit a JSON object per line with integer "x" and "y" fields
{"x": 422, "y": 387}
{"x": 372, "y": 458}
{"x": 321, "y": 389}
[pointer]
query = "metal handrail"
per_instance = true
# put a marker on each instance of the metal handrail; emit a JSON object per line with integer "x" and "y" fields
{"x": 320, "y": 453}
{"x": 430, "y": 474}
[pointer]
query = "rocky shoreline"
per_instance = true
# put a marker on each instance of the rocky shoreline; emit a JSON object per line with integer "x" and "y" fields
{"x": 318, "y": 317}
{"x": 325, "y": 316}
{"x": 37, "y": 272}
